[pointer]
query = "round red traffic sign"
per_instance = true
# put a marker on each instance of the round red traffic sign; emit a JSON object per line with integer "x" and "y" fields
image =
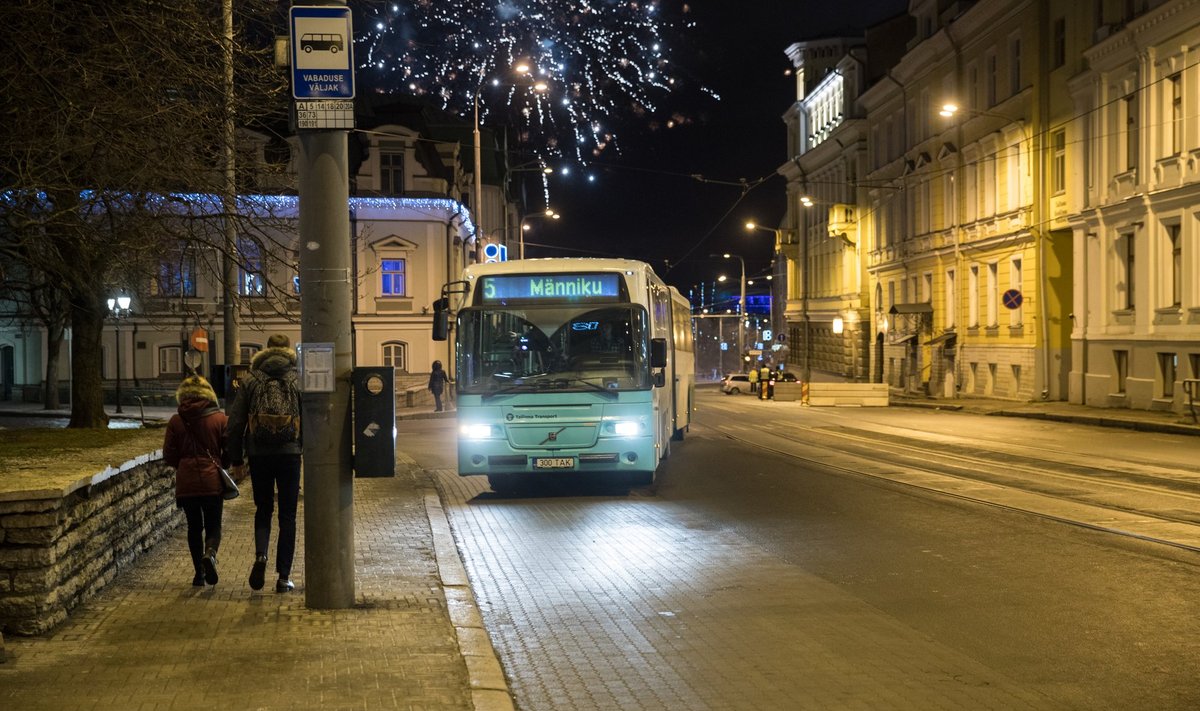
{"x": 1012, "y": 299}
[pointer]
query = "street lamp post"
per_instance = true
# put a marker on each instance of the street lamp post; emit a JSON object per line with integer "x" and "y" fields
{"x": 119, "y": 307}
{"x": 741, "y": 333}
{"x": 525, "y": 227}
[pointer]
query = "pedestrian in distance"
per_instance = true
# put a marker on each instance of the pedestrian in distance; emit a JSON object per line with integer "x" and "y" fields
{"x": 437, "y": 384}
{"x": 764, "y": 376}
{"x": 752, "y": 376}
{"x": 264, "y": 428}
{"x": 195, "y": 444}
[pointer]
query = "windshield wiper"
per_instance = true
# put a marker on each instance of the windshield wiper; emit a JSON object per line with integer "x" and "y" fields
{"x": 542, "y": 384}
{"x": 607, "y": 393}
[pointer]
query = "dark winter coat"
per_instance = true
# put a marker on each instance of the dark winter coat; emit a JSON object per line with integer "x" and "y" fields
{"x": 277, "y": 362}
{"x": 199, "y": 428}
{"x": 437, "y": 381}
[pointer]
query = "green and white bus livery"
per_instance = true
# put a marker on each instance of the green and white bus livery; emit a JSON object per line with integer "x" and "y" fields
{"x": 569, "y": 366}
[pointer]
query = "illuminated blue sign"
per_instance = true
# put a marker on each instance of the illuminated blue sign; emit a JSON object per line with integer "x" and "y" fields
{"x": 495, "y": 252}
{"x": 551, "y": 287}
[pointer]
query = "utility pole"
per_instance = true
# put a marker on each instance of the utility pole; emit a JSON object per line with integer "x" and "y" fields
{"x": 325, "y": 308}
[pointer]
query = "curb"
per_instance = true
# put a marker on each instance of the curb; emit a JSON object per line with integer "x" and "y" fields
{"x": 489, "y": 688}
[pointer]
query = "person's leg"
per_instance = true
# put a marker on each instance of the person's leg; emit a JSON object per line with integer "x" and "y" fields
{"x": 262, "y": 480}
{"x": 437, "y": 400}
{"x": 213, "y": 507}
{"x": 288, "y": 477}
{"x": 195, "y": 536}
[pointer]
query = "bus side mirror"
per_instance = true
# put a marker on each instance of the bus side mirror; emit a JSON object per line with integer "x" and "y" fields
{"x": 441, "y": 324}
{"x": 658, "y": 352}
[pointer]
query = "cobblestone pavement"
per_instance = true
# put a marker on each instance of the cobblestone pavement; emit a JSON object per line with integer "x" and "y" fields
{"x": 152, "y": 641}
{"x": 621, "y": 602}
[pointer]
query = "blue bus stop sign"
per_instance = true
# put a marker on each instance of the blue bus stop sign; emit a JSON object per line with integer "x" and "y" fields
{"x": 322, "y": 52}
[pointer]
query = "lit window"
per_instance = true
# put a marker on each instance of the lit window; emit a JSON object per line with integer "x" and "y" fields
{"x": 392, "y": 275}
{"x": 250, "y": 273}
{"x": 176, "y": 274}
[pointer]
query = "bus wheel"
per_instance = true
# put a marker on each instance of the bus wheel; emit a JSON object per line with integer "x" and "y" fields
{"x": 505, "y": 483}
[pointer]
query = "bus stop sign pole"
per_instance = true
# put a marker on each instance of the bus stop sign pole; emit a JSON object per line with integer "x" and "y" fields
{"x": 322, "y": 75}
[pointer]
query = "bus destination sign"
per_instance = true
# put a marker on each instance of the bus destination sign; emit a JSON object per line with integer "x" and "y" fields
{"x": 551, "y": 287}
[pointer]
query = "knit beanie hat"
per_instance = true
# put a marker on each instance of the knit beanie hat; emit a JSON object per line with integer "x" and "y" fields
{"x": 195, "y": 387}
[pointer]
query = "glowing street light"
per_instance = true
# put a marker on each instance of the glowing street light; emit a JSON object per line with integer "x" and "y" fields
{"x": 119, "y": 308}
{"x": 525, "y": 227}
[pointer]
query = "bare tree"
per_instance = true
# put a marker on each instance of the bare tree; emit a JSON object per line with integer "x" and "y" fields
{"x": 113, "y": 112}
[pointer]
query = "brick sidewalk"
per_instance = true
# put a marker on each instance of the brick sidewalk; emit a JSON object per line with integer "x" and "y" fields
{"x": 152, "y": 641}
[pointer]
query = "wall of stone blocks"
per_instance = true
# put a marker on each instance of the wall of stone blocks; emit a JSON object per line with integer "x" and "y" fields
{"x": 58, "y": 548}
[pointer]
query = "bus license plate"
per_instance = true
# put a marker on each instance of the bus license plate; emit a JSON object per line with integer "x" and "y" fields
{"x": 554, "y": 463}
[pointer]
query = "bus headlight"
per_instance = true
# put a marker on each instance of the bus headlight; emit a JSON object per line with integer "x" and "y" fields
{"x": 626, "y": 429}
{"x": 476, "y": 431}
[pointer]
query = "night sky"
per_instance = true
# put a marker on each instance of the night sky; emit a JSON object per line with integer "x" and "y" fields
{"x": 645, "y": 205}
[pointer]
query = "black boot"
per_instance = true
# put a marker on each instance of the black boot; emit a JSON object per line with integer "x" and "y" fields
{"x": 210, "y": 566}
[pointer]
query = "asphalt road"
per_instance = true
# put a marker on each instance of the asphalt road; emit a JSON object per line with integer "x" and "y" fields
{"x": 765, "y": 571}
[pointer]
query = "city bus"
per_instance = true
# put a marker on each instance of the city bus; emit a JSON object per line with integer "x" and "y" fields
{"x": 566, "y": 367}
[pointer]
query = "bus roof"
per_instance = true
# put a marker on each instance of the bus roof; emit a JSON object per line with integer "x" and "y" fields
{"x": 557, "y": 265}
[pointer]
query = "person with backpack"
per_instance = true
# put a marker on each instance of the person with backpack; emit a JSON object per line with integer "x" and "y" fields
{"x": 195, "y": 445}
{"x": 264, "y": 427}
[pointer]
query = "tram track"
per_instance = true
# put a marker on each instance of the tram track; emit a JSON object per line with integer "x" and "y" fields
{"x": 1128, "y": 498}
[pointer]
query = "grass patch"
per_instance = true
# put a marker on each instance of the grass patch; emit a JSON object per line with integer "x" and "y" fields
{"x": 32, "y": 459}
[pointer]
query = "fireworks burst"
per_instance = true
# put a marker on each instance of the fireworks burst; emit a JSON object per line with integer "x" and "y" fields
{"x": 568, "y": 72}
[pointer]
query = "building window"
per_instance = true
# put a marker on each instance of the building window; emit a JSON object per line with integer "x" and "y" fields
{"x": 1121, "y": 365}
{"x": 395, "y": 354}
{"x": 170, "y": 359}
{"x": 1014, "y": 65}
{"x": 1194, "y": 359}
{"x": 1014, "y": 282}
{"x": 951, "y": 298}
{"x": 1175, "y": 270}
{"x": 973, "y": 296}
{"x": 247, "y": 351}
{"x": 991, "y": 79}
{"x": 176, "y": 274}
{"x": 1131, "y": 133}
{"x": 927, "y": 288}
{"x": 972, "y": 86}
{"x": 1059, "y": 51}
{"x": 391, "y": 173}
{"x": 1127, "y": 254}
{"x": 993, "y": 295}
{"x": 250, "y": 272}
{"x": 1175, "y": 125}
{"x": 1058, "y": 162}
{"x": 392, "y": 275}
{"x": 1167, "y": 364}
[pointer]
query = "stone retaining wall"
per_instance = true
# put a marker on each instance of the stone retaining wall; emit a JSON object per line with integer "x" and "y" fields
{"x": 58, "y": 548}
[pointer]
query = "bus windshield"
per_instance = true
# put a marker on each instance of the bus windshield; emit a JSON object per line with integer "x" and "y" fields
{"x": 552, "y": 348}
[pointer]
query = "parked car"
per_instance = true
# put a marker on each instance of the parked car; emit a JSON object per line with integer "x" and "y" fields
{"x": 735, "y": 383}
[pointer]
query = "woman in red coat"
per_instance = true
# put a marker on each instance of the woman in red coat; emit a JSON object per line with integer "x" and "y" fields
{"x": 196, "y": 445}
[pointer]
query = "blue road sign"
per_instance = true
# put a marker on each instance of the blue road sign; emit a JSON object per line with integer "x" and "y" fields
{"x": 322, "y": 41}
{"x": 1012, "y": 299}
